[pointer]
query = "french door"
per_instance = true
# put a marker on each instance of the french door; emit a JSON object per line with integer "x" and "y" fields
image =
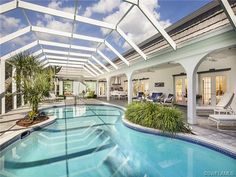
{"x": 181, "y": 88}
{"x": 213, "y": 86}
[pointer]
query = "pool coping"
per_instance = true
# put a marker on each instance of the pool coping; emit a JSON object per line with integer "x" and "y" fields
{"x": 16, "y": 134}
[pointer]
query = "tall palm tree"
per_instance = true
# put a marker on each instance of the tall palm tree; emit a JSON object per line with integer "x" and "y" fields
{"x": 33, "y": 80}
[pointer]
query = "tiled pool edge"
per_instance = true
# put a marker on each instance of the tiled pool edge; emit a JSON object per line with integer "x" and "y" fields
{"x": 16, "y": 135}
{"x": 185, "y": 137}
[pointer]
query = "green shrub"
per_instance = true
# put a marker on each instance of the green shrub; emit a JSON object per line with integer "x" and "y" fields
{"x": 167, "y": 119}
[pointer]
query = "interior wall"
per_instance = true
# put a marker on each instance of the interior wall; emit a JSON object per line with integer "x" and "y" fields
{"x": 78, "y": 87}
{"x": 161, "y": 75}
{"x": 227, "y": 62}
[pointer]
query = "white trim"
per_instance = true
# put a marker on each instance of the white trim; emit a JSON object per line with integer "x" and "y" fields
{"x": 8, "y": 6}
{"x": 22, "y": 49}
{"x": 50, "y": 11}
{"x": 63, "y": 45}
{"x": 101, "y": 64}
{"x": 14, "y": 35}
{"x": 131, "y": 43}
{"x": 116, "y": 52}
{"x": 68, "y": 61}
{"x": 66, "y": 53}
{"x": 38, "y": 52}
{"x": 65, "y": 34}
{"x": 89, "y": 71}
{"x": 107, "y": 59}
{"x": 157, "y": 25}
{"x": 229, "y": 12}
{"x": 65, "y": 58}
{"x": 66, "y": 65}
{"x": 95, "y": 67}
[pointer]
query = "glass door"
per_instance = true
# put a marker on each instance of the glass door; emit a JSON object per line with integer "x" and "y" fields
{"x": 181, "y": 89}
{"x": 220, "y": 87}
{"x": 206, "y": 90}
{"x": 102, "y": 88}
{"x": 213, "y": 86}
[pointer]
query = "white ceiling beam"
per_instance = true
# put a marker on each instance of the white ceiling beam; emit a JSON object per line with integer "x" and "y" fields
{"x": 83, "y": 48}
{"x": 65, "y": 58}
{"x": 67, "y": 15}
{"x": 67, "y": 53}
{"x": 229, "y": 12}
{"x": 101, "y": 64}
{"x": 131, "y": 43}
{"x": 66, "y": 65}
{"x": 157, "y": 25}
{"x": 107, "y": 59}
{"x": 42, "y": 58}
{"x": 135, "y": 2}
{"x": 116, "y": 52}
{"x": 8, "y": 6}
{"x": 37, "y": 52}
{"x": 90, "y": 72}
{"x": 97, "y": 68}
{"x": 63, "y": 45}
{"x": 66, "y": 34}
{"x": 91, "y": 69}
{"x": 69, "y": 62}
{"x": 54, "y": 44}
{"x": 22, "y": 49}
{"x": 14, "y": 35}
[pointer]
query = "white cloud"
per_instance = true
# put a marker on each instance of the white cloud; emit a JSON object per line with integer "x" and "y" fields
{"x": 9, "y": 24}
{"x": 56, "y": 4}
{"x": 50, "y": 22}
{"x": 136, "y": 26}
{"x": 102, "y": 7}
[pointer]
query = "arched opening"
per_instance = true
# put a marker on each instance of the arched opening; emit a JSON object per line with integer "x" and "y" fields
{"x": 215, "y": 76}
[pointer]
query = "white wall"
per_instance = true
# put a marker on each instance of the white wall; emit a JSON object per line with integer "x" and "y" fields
{"x": 161, "y": 75}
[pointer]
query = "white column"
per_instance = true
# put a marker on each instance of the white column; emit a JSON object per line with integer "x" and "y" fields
{"x": 14, "y": 88}
{"x": 2, "y": 86}
{"x": 108, "y": 87}
{"x": 190, "y": 65}
{"x": 191, "y": 79}
{"x": 97, "y": 88}
{"x": 130, "y": 87}
{"x": 60, "y": 87}
{"x": 55, "y": 86}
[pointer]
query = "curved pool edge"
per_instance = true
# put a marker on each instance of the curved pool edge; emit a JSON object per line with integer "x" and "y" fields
{"x": 16, "y": 135}
{"x": 222, "y": 148}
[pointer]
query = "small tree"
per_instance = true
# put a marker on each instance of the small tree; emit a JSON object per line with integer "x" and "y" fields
{"x": 33, "y": 80}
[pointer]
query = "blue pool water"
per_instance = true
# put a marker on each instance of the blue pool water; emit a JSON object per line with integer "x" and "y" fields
{"x": 91, "y": 141}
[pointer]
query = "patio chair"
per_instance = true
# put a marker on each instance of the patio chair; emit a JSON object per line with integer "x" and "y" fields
{"x": 230, "y": 119}
{"x": 168, "y": 100}
{"x": 224, "y": 104}
{"x": 155, "y": 97}
{"x": 139, "y": 96}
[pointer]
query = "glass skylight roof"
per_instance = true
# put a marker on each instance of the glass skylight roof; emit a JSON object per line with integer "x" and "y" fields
{"x": 135, "y": 25}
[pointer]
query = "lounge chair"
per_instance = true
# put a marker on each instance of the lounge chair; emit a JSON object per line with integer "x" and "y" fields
{"x": 139, "y": 96}
{"x": 168, "y": 100}
{"x": 52, "y": 97}
{"x": 222, "y": 118}
{"x": 224, "y": 104}
{"x": 155, "y": 97}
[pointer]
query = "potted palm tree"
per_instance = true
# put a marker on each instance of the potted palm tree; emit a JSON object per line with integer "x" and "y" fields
{"x": 33, "y": 82}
